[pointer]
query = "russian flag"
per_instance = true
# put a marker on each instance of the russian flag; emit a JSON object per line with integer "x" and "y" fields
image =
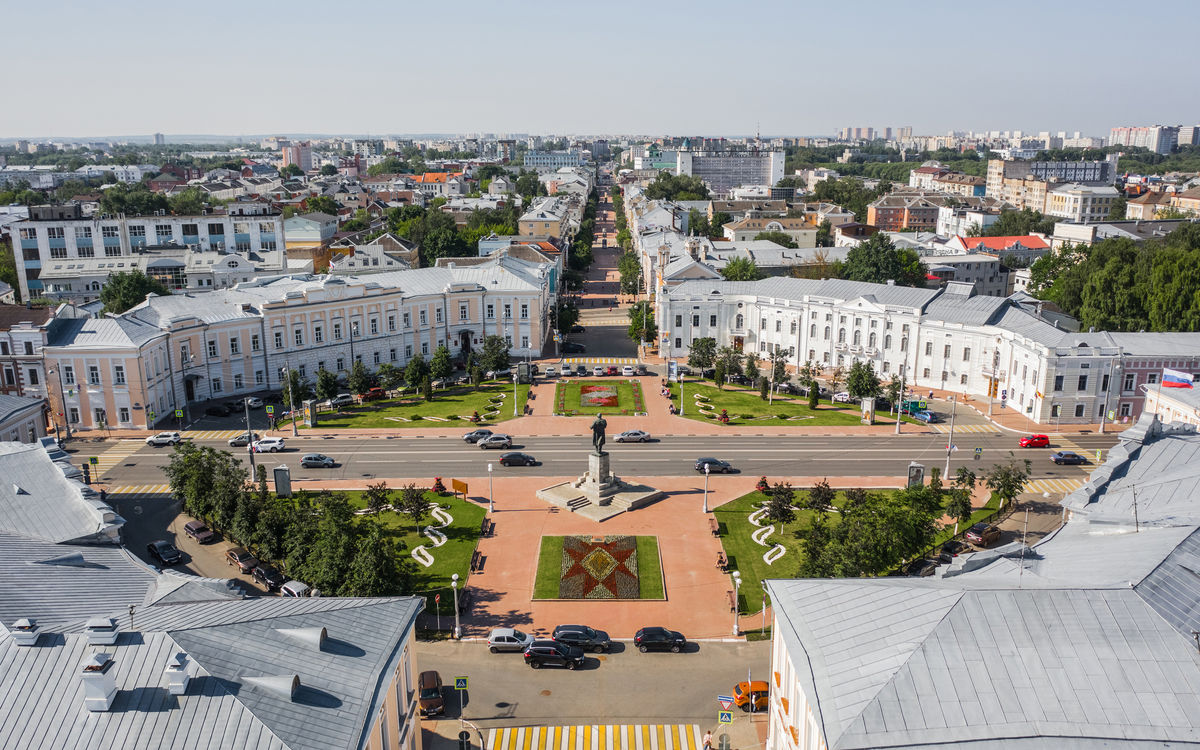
{"x": 1176, "y": 379}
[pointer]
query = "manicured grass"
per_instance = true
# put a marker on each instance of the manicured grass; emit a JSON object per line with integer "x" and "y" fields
{"x": 567, "y": 397}
{"x": 549, "y": 569}
{"x": 650, "y": 577}
{"x": 453, "y": 407}
{"x": 741, "y": 402}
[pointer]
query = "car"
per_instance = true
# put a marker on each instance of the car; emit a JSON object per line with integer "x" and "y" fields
{"x": 297, "y": 590}
{"x": 951, "y": 550}
{"x": 641, "y": 370}
{"x": 268, "y": 576}
{"x": 1035, "y": 441}
{"x": 927, "y": 417}
{"x": 573, "y": 347}
{"x": 551, "y": 372}
{"x": 581, "y": 370}
{"x": 751, "y": 694}
{"x": 508, "y": 639}
{"x": 217, "y": 410}
{"x": 374, "y": 394}
{"x": 241, "y": 441}
{"x": 199, "y": 531}
{"x": 242, "y": 558}
{"x": 517, "y": 459}
{"x": 715, "y": 465}
{"x": 633, "y": 436}
{"x": 268, "y": 445}
{"x": 498, "y": 440}
{"x": 659, "y": 639}
{"x": 982, "y": 534}
{"x": 578, "y": 329}
{"x": 474, "y": 436}
{"x": 611, "y": 370}
{"x": 164, "y": 438}
{"x": 504, "y": 374}
{"x": 317, "y": 461}
{"x": 920, "y": 568}
{"x": 683, "y": 370}
{"x": 540, "y": 653}
{"x": 583, "y": 637}
{"x": 842, "y": 397}
{"x": 429, "y": 685}
{"x": 342, "y": 399}
{"x": 1067, "y": 457}
{"x": 598, "y": 371}
{"x": 627, "y": 371}
{"x": 164, "y": 552}
{"x": 254, "y": 402}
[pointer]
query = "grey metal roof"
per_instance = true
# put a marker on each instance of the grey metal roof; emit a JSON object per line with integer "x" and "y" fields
{"x": 173, "y": 587}
{"x": 38, "y": 501}
{"x": 11, "y": 405}
{"x": 977, "y": 310}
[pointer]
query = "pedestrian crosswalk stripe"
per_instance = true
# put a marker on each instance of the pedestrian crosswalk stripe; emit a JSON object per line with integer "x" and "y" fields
{"x": 1065, "y": 486}
{"x": 600, "y": 360}
{"x": 596, "y": 737}
{"x": 210, "y": 434}
{"x": 139, "y": 489}
{"x": 116, "y": 454}
{"x": 964, "y": 428}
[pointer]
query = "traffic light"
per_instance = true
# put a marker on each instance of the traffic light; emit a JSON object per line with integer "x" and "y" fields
{"x": 87, "y": 474}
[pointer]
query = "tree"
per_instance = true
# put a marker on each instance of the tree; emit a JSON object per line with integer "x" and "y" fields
{"x": 676, "y": 188}
{"x": 959, "y": 506}
{"x": 565, "y": 315}
{"x": 1009, "y": 480}
{"x": 763, "y": 387}
{"x": 476, "y": 376}
{"x": 333, "y": 543}
{"x": 778, "y": 360}
{"x": 414, "y": 504}
{"x": 702, "y": 353}
{"x": 377, "y": 496}
{"x": 730, "y": 359}
{"x": 292, "y": 170}
{"x": 781, "y": 504}
{"x": 878, "y": 261}
{"x": 825, "y": 234}
{"x": 1117, "y": 212}
{"x": 719, "y": 374}
{"x": 836, "y": 378}
{"x": 416, "y": 371}
{"x": 427, "y": 389}
{"x": 124, "y": 290}
{"x": 328, "y": 170}
{"x": 641, "y": 322}
{"x": 189, "y": 202}
{"x": 1015, "y": 223}
{"x": 741, "y": 268}
{"x": 779, "y": 238}
{"x": 295, "y": 390}
{"x": 8, "y": 268}
{"x": 376, "y": 569}
{"x": 244, "y": 526}
{"x": 440, "y": 366}
{"x": 321, "y": 204}
{"x": 893, "y": 392}
{"x": 327, "y": 384}
{"x": 862, "y": 382}
{"x": 272, "y": 531}
{"x": 820, "y": 497}
{"x": 495, "y": 354}
{"x": 360, "y": 378}
{"x": 389, "y": 376}
{"x": 631, "y": 273}
{"x": 751, "y": 368}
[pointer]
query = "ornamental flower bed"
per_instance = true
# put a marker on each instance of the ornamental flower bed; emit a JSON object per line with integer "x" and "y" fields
{"x": 639, "y": 403}
{"x": 599, "y": 568}
{"x": 597, "y": 395}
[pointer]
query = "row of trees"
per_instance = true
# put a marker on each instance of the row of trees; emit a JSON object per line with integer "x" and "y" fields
{"x": 667, "y": 186}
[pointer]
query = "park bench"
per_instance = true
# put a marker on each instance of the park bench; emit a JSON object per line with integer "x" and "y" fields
{"x": 477, "y": 562}
{"x": 714, "y": 527}
{"x": 732, "y": 601}
{"x": 722, "y": 563}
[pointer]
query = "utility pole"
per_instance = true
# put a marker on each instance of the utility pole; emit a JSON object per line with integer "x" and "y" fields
{"x": 249, "y": 435}
{"x": 287, "y": 374}
{"x": 950, "y": 439}
{"x": 899, "y": 410}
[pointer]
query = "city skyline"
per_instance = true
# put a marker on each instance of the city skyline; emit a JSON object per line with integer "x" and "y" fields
{"x": 785, "y": 70}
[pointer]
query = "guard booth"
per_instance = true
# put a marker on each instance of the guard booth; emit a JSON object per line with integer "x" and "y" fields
{"x": 524, "y": 373}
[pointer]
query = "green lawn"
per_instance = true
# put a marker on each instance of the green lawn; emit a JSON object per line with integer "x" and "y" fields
{"x": 745, "y": 406}
{"x": 549, "y": 569}
{"x": 629, "y": 397}
{"x": 650, "y": 577}
{"x": 545, "y": 585}
{"x": 453, "y": 406}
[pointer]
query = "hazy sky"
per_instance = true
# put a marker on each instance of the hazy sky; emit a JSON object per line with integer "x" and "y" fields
{"x": 713, "y": 68}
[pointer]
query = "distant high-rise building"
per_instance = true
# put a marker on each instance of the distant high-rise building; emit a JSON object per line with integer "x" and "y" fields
{"x": 1189, "y": 135}
{"x": 887, "y": 134}
{"x": 299, "y": 154}
{"x": 159, "y": 139}
{"x": 506, "y": 147}
{"x": 725, "y": 170}
{"x": 1158, "y": 138}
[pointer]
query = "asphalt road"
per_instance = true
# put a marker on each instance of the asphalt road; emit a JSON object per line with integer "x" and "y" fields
{"x": 772, "y": 455}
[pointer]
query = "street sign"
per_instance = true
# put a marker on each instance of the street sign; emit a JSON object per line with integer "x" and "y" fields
{"x": 93, "y": 460}
{"x": 726, "y": 701}
{"x": 1098, "y": 453}
{"x": 1112, "y": 415}
{"x": 270, "y": 409}
{"x": 978, "y": 453}
{"x": 151, "y": 416}
{"x": 725, "y": 717}
{"x": 460, "y": 683}
{"x": 179, "y": 413}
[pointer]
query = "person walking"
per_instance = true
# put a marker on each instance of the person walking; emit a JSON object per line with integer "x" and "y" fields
{"x": 707, "y": 740}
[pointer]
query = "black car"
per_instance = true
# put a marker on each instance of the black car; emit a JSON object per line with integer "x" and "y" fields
{"x": 517, "y": 459}
{"x": 1067, "y": 457}
{"x": 715, "y": 465}
{"x": 578, "y": 329}
{"x": 951, "y": 550}
{"x": 164, "y": 552}
{"x": 553, "y": 653}
{"x": 583, "y": 637}
{"x": 268, "y": 576}
{"x": 573, "y": 347}
{"x": 217, "y": 410}
{"x": 476, "y": 435}
{"x": 659, "y": 639}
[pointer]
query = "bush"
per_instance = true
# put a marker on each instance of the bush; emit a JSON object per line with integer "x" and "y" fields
{"x": 746, "y": 416}
{"x": 415, "y": 417}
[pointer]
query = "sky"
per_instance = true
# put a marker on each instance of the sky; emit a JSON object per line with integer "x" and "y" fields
{"x": 660, "y": 68}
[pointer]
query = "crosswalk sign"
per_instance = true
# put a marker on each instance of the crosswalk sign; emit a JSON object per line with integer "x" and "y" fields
{"x": 270, "y": 409}
{"x": 725, "y": 717}
{"x": 460, "y": 683}
{"x": 179, "y": 413}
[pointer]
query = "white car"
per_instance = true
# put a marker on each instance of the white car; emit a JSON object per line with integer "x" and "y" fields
{"x": 254, "y": 402}
{"x": 842, "y": 397}
{"x": 633, "y": 436}
{"x": 551, "y": 372}
{"x": 164, "y": 438}
{"x": 342, "y": 399}
{"x": 268, "y": 445}
{"x": 598, "y": 371}
{"x": 627, "y": 371}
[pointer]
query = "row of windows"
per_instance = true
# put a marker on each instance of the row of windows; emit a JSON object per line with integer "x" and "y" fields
{"x": 93, "y": 375}
{"x": 164, "y": 232}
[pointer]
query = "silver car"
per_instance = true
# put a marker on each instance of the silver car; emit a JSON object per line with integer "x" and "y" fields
{"x": 317, "y": 461}
{"x": 498, "y": 440}
{"x": 633, "y": 436}
{"x": 508, "y": 639}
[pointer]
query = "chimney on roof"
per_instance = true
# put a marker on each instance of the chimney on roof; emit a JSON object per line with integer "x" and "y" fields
{"x": 102, "y": 631}
{"x": 178, "y": 673}
{"x": 25, "y": 632}
{"x": 309, "y": 636}
{"x": 99, "y": 681}
{"x": 282, "y": 686}
{"x": 891, "y": 282}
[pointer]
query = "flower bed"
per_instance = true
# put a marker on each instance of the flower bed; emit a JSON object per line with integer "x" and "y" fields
{"x": 599, "y": 568}
{"x": 598, "y": 395}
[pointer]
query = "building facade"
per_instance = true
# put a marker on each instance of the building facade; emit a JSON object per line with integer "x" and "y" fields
{"x": 724, "y": 170}
{"x": 1158, "y": 138}
{"x": 1082, "y": 204}
{"x": 554, "y": 159}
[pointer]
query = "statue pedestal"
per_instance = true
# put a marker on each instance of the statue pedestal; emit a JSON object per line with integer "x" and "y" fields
{"x": 598, "y": 484}
{"x": 599, "y": 494}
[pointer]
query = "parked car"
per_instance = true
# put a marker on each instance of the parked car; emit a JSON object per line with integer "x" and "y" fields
{"x": 573, "y": 347}
{"x": 474, "y": 436}
{"x": 551, "y": 372}
{"x": 342, "y": 399}
{"x": 254, "y": 402}
{"x": 541, "y": 653}
{"x": 983, "y": 534}
{"x": 927, "y": 417}
{"x": 268, "y": 445}
{"x": 164, "y": 552}
{"x": 517, "y": 459}
{"x": 659, "y": 639}
{"x": 317, "y": 461}
{"x": 498, "y": 440}
{"x": 374, "y": 394}
{"x": 842, "y": 397}
{"x": 633, "y": 436}
{"x": 164, "y": 438}
{"x": 508, "y": 639}
{"x": 611, "y": 370}
{"x": 241, "y": 441}
{"x": 583, "y": 637}
{"x": 598, "y": 371}
{"x": 641, "y": 370}
{"x": 920, "y": 568}
{"x": 951, "y": 550}
{"x": 627, "y": 371}
{"x": 242, "y": 558}
{"x": 430, "y": 697}
{"x": 1035, "y": 441}
{"x": 1067, "y": 457}
{"x": 268, "y": 576}
{"x": 581, "y": 370}
{"x": 578, "y": 329}
{"x": 217, "y": 410}
{"x": 198, "y": 531}
{"x": 754, "y": 693}
{"x": 715, "y": 465}
{"x": 504, "y": 374}
{"x": 297, "y": 590}
{"x": 683, "y": 370}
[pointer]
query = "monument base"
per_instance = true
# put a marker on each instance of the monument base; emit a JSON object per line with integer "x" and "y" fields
{"x": 599, "y": 494}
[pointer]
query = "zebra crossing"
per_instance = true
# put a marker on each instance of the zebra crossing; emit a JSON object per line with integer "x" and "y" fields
{"x": 600, "y": 360}
{"x": 967, "y": 428}
{"x": 115, "y": 455}
{"x": 210, "y": 434}
{"x": 139, "y": 489}
{"x": 597, "y": 737}
{"x": 1064, "y": 485}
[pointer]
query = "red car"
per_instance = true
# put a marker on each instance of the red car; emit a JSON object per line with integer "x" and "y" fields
{"x": 374, "y": 394}
{"x": 1035, "y": 441}
{"x": 612, "y": 370}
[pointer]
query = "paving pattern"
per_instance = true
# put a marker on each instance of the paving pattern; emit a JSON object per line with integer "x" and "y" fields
{"x": 597, "y": 737}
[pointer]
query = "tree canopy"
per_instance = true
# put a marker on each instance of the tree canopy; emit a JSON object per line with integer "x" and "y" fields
{"x": 741, "y": 268}
{"x": 877, "y": 260}
{"x": 122, "y": 290}
{"x": 641, "y": 322}
{"x": 676, "y": 188}
{"x": 702, "y": 353}
{"x": 779, "y": 238}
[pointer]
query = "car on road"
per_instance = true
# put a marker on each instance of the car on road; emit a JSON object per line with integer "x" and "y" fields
{"x": 598, "y": 371}
{"x": 474, "y": 436}
{"x": 430, "y": 698}
{"x": 659, "y": 639}
{"x": 581, "y": 370}
{"x": 241, "y": 441}
{"x": 164, "y": 552}
{"x": 611, "y": 370}
{"x": 982, "y": 534}
{"x": 1067, "y": 457}
{"x": 242, "y": 558}
{"x": 254, "y": 402}
{"x": 578, "y": 329}
{"x": 199, "y": 531}
{"x": 842, "y": 397}
{"x": 641, "y": 370}
{"x": 633, "y": 436}
{"x": 268, "y": 576}
{"x": 498, "y": 440}
{"x": 627, "y": 371}
{"x": 951, "y": 550}
{"x": 508, "y": 639}
{"x": 164, "y": 438}
{"x": 583, "y": 637}
{"x": 268, "y": 445}
{"x": 573, "y": 347}
{"x": 927, "y": 417}
{"x": 715, "y": 465}
{"x": 342, "y": 399}
{"x": 551, "y": 372}
{"x": 317, "y": 461}
{"x": 517, "y": 459}
{"x": 683, "y": 370}
{"x": 754, "y": 693}
{"x": 217, "y": 410}
{"x": 1035, "y": 441}
{"x": 553, "y": 653}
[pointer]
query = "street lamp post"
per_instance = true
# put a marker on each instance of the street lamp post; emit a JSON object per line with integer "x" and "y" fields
{"x": 514, "y": 394}
{"x": 491, "y": 494}
{"x": 950, "y": 437}
{"x": 707, "y": 469}
{"x": 287, "y": 379}
{"x": 679, "y": 374}
{"x": 737, "y": 584}
{"x": 454, "y": 588}
{"x": 899, "y": 410}
{"x": 62, "y": 397}
{"x": 249, "y": 434}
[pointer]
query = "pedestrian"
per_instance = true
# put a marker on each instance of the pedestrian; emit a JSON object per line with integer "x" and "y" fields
{"x": 708, "y": 740}
{"x": 931, "y": 395}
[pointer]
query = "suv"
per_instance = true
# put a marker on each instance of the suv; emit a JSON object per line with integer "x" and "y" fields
{"x": 268, "y": 445}
{"x": 715, "y": 465}
{"x": 164, "y": 552}
{"x": 983, "y": 534}
{"x": 1035, "y": 441}
{"x": 374, "y": 394}
{"x": 659, "y": 639}
{"x": 581, "y": 636}
{"x": 475, "y": 436}
{"x": 242, "y": 558}
{"x": 342, "y": 399}
{"x": 746, "y": 692}
{"x": 551, "y": 372}
{"x": 553, "y": 653}
{"x": 268, "y": 576}
{"x": 198, "y": 531}
{"x": 164, "y": 438}
{"x": 241, "y": 441}
{"x": 581, "y": 370}
{"x": 508, "y": 639}
{"x": 498, "y": 440}
{"x": 430, "y": 686}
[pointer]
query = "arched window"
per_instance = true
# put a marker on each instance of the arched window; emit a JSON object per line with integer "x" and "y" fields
{"x": 841, "y": 335}
{"x": 887, "y": 341}
{"x": 737, "y": 321}
{"x": 826, "y": 333}
{"x": 904, "y": 343}
{"x": 841, "y": 360}
{"x": 857, "y": 338}
{"x": 871, "y": 341}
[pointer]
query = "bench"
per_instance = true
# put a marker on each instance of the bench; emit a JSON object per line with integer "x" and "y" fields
{"x": 732, "y": 601}
{"x": 722, "y": 563}
{"x": 486, "y": 527}
{"x": 477, "y": 562}
{"x": 714, "y": 527}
